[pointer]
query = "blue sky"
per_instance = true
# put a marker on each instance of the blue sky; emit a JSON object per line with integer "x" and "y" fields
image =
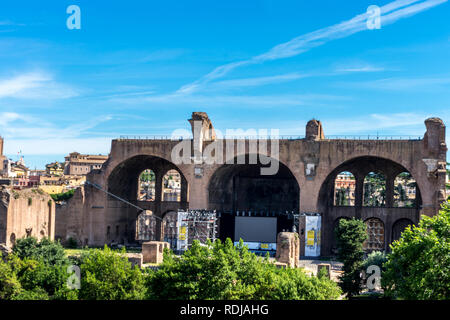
{"x": 142, "y": 67}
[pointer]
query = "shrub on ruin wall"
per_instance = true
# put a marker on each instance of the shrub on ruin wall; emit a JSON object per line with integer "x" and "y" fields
{"x": 224, "y": 271}
{"x": 419, "y": 265}
{"x": 63, "y": 196}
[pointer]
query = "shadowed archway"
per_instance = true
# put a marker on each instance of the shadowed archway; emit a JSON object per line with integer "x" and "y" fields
{"x": 124, "y": 182}
{"x": 388, "y": 213}
{"x": 237, "y": 188}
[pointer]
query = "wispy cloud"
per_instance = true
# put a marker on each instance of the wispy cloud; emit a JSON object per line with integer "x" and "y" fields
{"x": 278, "y": 100}
{"x": 10, "y": 23}
{"x": 401, "y": 84}
{"x": 258, "y": 81}
{"x": 359, "y": 67}
{"x": 35, "y": 85}
{"x": 303, "y": 43}
{"x": 17, "y": 126}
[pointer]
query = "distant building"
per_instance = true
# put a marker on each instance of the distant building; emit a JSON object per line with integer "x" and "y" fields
{"x": 2, "y": 157}
{"x": 55, "y": 169}
{"x": 34, "y": 177}
{"x": 81, "y": 164}
{"x": 14, "y": 173}
{"x": 346, "y": 183}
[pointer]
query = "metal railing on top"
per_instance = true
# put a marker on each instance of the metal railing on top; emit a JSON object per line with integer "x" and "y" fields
{"x": 281, "y": 137}
{"x": 373, "y": 137}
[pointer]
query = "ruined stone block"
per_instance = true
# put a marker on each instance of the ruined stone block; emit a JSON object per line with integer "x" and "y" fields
{"x": 281, "y": 265}
{"x": 152, "y": 251}
{"x": 136, "y": 259}
{"x": 288, "y": 248}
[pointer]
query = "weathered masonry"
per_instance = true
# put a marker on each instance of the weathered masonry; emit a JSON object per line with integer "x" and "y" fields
{"x": 23, "y": 213}
{"x": 389, "y": 183}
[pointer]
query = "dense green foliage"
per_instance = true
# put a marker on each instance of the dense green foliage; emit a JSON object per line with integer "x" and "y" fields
{"x": 375, "y": 258}
{"x": 49, "y": 251}
{"x": 71, "y": 243}
{"x": 419, "y": 265}
{"x": 147, "y": 176}
{"x": 35, "y": 271}
{"x": 64, "y": 196}
{"x": 224, "y": 271}
{"x": 108, "y": 275}
{"x": 350, "y": 235}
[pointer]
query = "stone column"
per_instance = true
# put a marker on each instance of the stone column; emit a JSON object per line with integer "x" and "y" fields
{"x": 288, "y": 249}
{"x": 359, "y": 190}
{"x": 389, "y": 201}
{"x": 158, "y": 186}
{"x": 184, "y": 190}
{"x": 158, "y": 231}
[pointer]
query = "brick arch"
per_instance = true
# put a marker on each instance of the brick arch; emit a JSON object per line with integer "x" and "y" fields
{"x": 399, "y": 226}
{"x": 348, "y": 165}
{"x": 241, "y": 187}
{"x": 360, "y": 166}
{"x": 222, "y": 175}
{"x": 122, "y": 180}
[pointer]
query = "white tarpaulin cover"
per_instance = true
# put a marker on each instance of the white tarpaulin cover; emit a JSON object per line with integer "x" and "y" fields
{"x": 182, "y": 241}
{"x": 312, "y": 235}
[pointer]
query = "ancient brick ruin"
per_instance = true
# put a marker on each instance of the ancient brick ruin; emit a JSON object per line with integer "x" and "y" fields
{"x": 304, "y": 183}
{"x": 23, "y": 213}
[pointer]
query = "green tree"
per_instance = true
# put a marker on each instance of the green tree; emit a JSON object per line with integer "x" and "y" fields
{"x": 419, "y": 265}
{"x": 37, "y": 276}
{"x": 224, "y": 271}
{"x": 41, "y": 269}
{"x": 375, "y": 258}
{"x": 108, "y": 275}
{"x": 374, "y": 190}
{"x": 350, "y": 235}
{"x": 50, "y": 252}
{"x": 9, "y": 284}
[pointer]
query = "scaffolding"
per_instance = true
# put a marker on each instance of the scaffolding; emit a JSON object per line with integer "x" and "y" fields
{"x": 193, "y": 225}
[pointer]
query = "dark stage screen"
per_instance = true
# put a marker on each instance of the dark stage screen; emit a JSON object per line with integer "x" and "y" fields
{"x": 256, "y": 229}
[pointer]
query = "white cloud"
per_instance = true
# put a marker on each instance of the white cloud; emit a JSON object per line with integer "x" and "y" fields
{"x": 35, "y": 85}
{"x": 401, "y": 84}
{"x": 310, "y": 40}
{"x": 22, "y": 126}
{"x": 258, "y": 81}
{"x": 233, "y": 100}
{"x": 359, "y": 68}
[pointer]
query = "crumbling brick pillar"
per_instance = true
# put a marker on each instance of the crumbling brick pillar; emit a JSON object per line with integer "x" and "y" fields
{"x": 152, "y": 251}
{"x": 288, "y": 248}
